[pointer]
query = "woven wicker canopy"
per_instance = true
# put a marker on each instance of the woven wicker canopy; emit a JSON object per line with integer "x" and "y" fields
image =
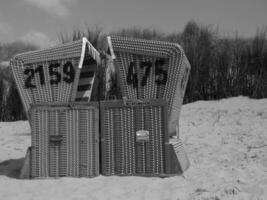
{"x": 58, "y": 74}
{"x": 150, "y": 69}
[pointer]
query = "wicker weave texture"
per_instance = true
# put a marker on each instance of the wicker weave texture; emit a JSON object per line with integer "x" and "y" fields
{"x": 52, "y": 75}
{"x": 176, "y": 158}
{"x": 152, "y": 69}
{"x": 65, "y": 140}
{"x": 123, "y": 153}
{"x": 183, "y": 161}
{"x": 64, "y": 51}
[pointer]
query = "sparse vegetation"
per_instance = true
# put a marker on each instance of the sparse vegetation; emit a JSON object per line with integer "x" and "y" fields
{"x": 221, "y": 67}
{"x": 10, "y": 103}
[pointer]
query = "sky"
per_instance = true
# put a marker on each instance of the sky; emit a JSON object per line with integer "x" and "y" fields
{"x": 41, "y": 21}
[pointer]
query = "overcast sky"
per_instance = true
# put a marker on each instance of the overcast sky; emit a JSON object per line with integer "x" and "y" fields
{"x": 40, "y": 21}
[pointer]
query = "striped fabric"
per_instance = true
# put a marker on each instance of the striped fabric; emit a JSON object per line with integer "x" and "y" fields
{"x": 151, "y": 69}
{"x": 86, "y": 80}
{"x": 133, "y": 137}
{"x": 52, "y": 75}
{"x": 65, "y": 140}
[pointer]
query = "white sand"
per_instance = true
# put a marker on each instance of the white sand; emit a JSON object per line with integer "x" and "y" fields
{"x": 226, "y": 142}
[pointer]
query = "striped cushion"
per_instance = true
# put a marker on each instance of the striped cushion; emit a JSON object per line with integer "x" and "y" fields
{"x": 86, "y": 81}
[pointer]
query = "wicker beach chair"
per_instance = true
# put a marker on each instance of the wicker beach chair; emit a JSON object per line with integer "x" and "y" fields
{"x": 58, "y": 74}
{"x": 151, "y": 69}
{"x": 134, "y": 139}
{"x": 65, "y": 140}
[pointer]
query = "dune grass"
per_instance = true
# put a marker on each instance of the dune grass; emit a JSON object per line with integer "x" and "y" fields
{"x": 221, "y": 67}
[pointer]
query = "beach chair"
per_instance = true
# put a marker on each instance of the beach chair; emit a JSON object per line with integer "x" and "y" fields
{"x": 64, "y": 140}
{"x": 150, "y": 69}
{"x": 135, "y": 140}
{"x": 58, "y": 74}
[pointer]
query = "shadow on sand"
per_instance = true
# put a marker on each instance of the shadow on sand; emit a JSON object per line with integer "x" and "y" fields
{"x": 11, "y": 168}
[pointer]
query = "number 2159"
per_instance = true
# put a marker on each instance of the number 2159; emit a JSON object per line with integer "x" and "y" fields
{"x": 54, "y": 75}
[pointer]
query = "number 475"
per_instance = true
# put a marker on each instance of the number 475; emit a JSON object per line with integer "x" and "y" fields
{"x": 160, "y": 73}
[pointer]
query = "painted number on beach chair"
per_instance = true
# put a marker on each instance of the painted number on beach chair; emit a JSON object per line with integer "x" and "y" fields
{"x": 147, "y": 66}
{"x": 30, "y": 75}
{"x": 160, "y": 72}
{"x": 54, "y": 75}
